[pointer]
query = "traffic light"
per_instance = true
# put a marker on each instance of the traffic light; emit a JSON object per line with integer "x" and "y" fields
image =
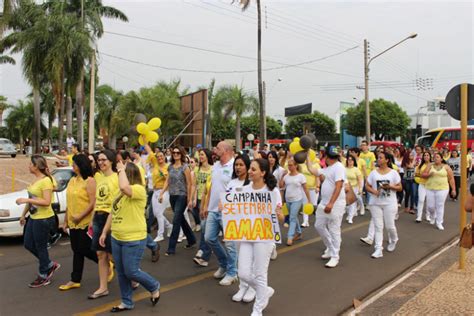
{"x": 442, "y": 105}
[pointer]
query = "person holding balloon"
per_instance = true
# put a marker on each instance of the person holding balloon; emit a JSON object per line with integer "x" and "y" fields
{"x": 295, "y": 184}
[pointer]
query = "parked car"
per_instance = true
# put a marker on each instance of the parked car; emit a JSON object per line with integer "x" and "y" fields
{"x": 7, "y": 147}
{"x": 10, "y": 212}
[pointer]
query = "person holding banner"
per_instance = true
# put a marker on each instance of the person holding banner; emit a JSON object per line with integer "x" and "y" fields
{"x": 295, "y": 184}
{"x": 332, "y": 206}
{"x": 254, "y": 256}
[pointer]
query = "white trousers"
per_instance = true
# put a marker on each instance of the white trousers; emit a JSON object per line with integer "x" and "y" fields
{"x": 421, "y": 201}
{"x": 384, "y": 215}
{"x": 435, "y": 200}
{"x": 254, "y": 259}
{"x": 328, "y": 227}
{"x": 159, "y": 210}
{"x": 352, "y": 208}
{"x": 313, "y": 195}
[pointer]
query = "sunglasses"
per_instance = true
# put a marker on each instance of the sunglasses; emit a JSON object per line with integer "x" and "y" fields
{"x": 176, "y": 153}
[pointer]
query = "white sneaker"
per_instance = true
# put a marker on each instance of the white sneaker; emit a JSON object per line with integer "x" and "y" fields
{"x": 270, "y": 292}
{"x": 274, "y": 254}
{"x": 169, "y": 229}
{"x": 377, "y": 254}
{"x": 305, "y": 225}
{"x": 428, "y": 218}
{"x": 367, "y": 241}
{"x": 286, "y": 225}
{"x": 332, "y": 263}
{"x": 199, "y": 253}
{"x": 362, "y": 212}
{"x": 220, "y": 273}
{"x": 181, "y": 238}
{"x": 397, "y": 216}
{"x": 440, "y": 227}
{"x": 391, "y": 246}
{"x": 326, "y": 254}
{"x": 249, "y": 295}
{"x": 197, "y": 228}
{"x": 432, "y": 221}
{"x": 200, "y": 261}
{"x": 159, "y": 238}
{"x": 349, "y": 221}
{"x": 239, "y": 295}
{"x": 228, "y": 280}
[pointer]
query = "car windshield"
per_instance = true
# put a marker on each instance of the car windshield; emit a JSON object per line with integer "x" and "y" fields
{"x": 5, "y": 142}
{"x": 62, "y": 177}
{"x": 428, "y": 139}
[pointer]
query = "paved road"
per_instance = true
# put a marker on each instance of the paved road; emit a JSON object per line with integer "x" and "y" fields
{"x": 303, "y": 286}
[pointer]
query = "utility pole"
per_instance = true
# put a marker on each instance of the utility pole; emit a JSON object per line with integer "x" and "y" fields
{"x": 91, "y": 140}
{"x": 366, "y": 88}
{"x": 263, "y": 114}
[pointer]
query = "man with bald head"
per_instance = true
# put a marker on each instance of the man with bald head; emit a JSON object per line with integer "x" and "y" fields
{"x": 220, "y": 177}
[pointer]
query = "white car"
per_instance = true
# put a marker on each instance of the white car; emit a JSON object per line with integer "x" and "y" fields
{"x": 10, "y": 212}
{"x": 7, "y": 147}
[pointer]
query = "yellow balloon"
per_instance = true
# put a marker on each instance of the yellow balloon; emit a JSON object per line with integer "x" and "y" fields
{"x": 312, "y": 155}
{"x": 154, "y": 123}
{"x": 308, "y": 208}
{"x": 296, "y": 139}
{"x": 284, "y": 209}
{"x": 152, "y": 136}
{"x": 295, "y": 147}
{"x": 143, "y": 128}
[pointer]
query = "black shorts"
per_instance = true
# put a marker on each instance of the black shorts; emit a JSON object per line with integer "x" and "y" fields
{"x": 97, "y": 226}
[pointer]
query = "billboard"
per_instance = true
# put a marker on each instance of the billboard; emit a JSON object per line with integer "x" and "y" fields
{"x": 299, "y": 109}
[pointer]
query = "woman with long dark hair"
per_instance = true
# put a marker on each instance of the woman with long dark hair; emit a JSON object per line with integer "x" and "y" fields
{"x": 41, "y": 219}
{"x": 179, "y": 186}
{"x": 127, "y": 224}
{"x": 254, "y": 257}
{"x": 420, "y": 179}
{"x": 409, "y": 185}
{"x": 455, "y": 164}
{"x": 355, "y": 179}
{"x": 80, "y": 194}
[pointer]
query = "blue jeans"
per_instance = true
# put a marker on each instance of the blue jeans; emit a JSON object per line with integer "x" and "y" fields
{"x": 178, "y": 204}
{"x": 127, "y": 257}
{"x": 203, "y": 246}
{"x": 36, "y": 241}
{"x": 227, "y": 257}
{"x": 293, "y": 210}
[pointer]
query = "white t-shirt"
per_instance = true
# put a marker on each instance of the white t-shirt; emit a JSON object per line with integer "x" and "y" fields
{"x": 333, "y": 174}
{"x": 455, "y": 164}
{"x": 376, "y": 180}
{"x": 70, "y": 141}
{"x": 235, "y": 183}
{"x": 276, "y": 196}
{"x": 220, "y": 178}
{"x": 293, "y": 186}
{"x": 278, "y": 173}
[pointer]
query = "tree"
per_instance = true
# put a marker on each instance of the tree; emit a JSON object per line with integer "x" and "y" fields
{"x": 251, "y": 125}
{"x": 263, "y": 129}
{"x": 387, "y": 119}
{"x": 107, "y": 102}
{"x": 3, "y": 106}
{"x": 233, "y": 101}
{"x": 19, "y": 121}
{"x": 319, "y": 124}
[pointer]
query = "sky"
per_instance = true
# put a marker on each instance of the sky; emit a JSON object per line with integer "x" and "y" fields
{"x": 315, "y": 46}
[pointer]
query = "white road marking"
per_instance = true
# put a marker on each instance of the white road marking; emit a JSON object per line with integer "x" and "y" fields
{"x": 395, "y": 283}
{"x": 65, "y": 243}
{"x": 19, "y": 180}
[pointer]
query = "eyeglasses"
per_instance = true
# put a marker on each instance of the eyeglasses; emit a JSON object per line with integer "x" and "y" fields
{"x": 176, "y": 153}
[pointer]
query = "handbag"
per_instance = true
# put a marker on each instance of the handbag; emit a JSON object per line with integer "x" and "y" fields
{"x": 466, "y": 237}
{"x": 350, "y": 194}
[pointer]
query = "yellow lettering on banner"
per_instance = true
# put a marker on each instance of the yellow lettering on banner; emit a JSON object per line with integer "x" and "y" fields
{"x": 231, "y": 230}
{"x": 269, "y": 208}
{"x": 268, "y": 229}
{"x": 257, "y": 232}
{"x": 245, "y": 229}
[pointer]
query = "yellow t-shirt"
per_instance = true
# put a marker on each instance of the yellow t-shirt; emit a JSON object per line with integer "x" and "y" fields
{"x": 158, "y": 174}
{"x": 469, "y": 161}
{"x": 310, "y": 178}
{"x": 77, "y": 201}
{"x": 438, "y": 179}
{"x": 128, "y": 216}
{"x": 418, "y": 172}
{"x": 107, "y": 190}
{"x": 361, "y": 164}
{"x": 36, "y": 190}
{"x": 353, "y": 174}
{"x": 69, "y": 159}
{"x": 201, "y": 179}
{"x": 142, "y": 172}
{"x": 369, "y": 159}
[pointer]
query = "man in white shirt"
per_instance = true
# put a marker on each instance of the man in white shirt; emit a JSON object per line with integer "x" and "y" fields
{"x": 332, "y": 206}
{"x": 220, "y": 177}
{"x": 69, "y": 142}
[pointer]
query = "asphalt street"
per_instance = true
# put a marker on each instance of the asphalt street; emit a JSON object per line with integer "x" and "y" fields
{"x": 303, "y": 285}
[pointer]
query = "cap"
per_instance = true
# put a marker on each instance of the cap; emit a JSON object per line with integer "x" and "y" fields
{"x": 198, "y": 146}
{"x": 332, "y": 152}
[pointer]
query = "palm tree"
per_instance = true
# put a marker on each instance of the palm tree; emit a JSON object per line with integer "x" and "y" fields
{"x": 4, "y": 59}
{"x": 19, "y": 121}
{"x": 107, "y": 102}
{"x": 3, "y": 106}
{"x": 233, "y": 101}
{"x": 263, "y": 123}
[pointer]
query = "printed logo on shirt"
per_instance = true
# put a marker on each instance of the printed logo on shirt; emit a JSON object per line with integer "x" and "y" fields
{"x": 381, "y": 187}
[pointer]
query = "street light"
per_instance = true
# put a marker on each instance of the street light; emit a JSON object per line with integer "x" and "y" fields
{"x": 367, "y": 62}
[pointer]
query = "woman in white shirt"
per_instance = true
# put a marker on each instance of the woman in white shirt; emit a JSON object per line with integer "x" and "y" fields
{"x": 383, "y": 183}
{"x": 254, "y": 257}
{"x": 295, "y": 184}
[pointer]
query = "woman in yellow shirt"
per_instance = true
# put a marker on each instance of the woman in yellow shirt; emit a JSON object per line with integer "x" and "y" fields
{"x": 356, "y": 180}
{"x": 128, "y": 226}
{"x": 80, "y": 196}
{"x": 420, "y": 179}
{"x": 107, "y": 189}
{"x": 440, "y": 177}
{"x": 41, "y": 219}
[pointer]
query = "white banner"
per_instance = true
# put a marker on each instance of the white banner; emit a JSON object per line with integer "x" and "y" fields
{"x": 250, "y": 216}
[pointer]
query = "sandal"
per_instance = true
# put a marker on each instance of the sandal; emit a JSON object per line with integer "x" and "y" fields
{"x": 118, "y": 309}
{"x": 94, "y": 296}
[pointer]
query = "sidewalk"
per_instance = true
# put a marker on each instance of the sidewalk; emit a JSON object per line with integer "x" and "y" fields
{"x": 451, "y": 293}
